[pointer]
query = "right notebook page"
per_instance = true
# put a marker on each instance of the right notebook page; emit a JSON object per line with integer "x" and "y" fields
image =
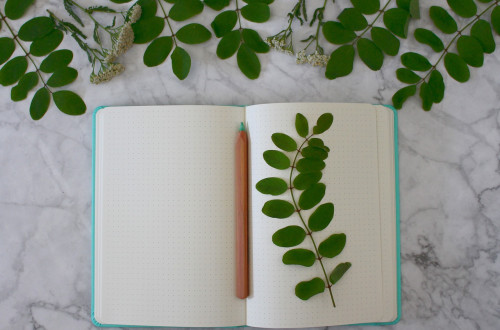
{"x": 359, "y": 178}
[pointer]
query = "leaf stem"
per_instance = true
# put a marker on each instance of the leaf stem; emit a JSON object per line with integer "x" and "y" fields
{"x": 239, "y": 16}
{"x": 27, "y": 54}
{"x": 320, "y": 24}
{"x": 381, "y": 11}
{"x": 168, "y": 22}
{"x": 457, "y": 34}
{"x": 304, "y": 223}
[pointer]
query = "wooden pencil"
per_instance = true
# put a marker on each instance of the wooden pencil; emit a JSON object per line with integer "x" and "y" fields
{"x": 241, "y": 194}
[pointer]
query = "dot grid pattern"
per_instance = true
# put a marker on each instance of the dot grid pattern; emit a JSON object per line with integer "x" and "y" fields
{"x": 352, "y": 180}
{"x": 165, "y": 216}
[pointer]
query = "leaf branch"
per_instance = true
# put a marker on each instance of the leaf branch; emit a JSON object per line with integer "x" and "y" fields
{"x": 168, "y": 22}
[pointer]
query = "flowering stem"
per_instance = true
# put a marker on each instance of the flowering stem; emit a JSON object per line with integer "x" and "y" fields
{"x": 27, "y": 54}
{"x": 308, "y": 231}
{"x": 459, "y": 33}
{"x": 168, "y": 22}
{"x": 380, "y": 12}
{"x": 320, "y": 24}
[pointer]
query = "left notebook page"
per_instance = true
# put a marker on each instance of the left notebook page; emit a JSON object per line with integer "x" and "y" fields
{"x": 164, "y": 216}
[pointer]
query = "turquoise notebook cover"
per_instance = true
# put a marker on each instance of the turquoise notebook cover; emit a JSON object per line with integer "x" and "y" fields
{"x": 398, "y": 240}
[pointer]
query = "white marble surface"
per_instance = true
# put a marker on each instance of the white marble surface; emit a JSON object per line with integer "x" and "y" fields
{"x": 449, "y": 162}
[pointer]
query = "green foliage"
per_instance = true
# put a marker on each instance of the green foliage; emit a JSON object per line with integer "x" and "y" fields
{"x": 339, "y": 271}
{"x": 46, "y": 44}
{"x": 242, "y": 41}
{"x": 470, "y": 50}
{"x": 15, "y": 9}
{"x": 313, "y": 151}
{"x": 306, "y": 289}
{"x": 56, "y": 60}
{"x": 157, "y": 51}
{"x": 13, "y": 70}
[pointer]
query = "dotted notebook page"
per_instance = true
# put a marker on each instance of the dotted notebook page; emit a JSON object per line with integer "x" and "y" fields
{"x": 165, "y": 216}
{"x": 351, "y": 177}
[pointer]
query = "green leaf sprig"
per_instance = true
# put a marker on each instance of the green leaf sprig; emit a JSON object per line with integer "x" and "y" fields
{"x": 470, "y": 50}
{"x": 44, "y": 39}
{"x": 371, "y": 49}
{"x": 243, "y": 42}
{"x": 309, "y": 161}
{"x": 150, "y": 27}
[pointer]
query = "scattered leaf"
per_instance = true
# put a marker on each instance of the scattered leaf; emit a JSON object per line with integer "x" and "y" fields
{"x": 339, "y": 271}
{"x": 306, "y": 289}
{"x": 39, "y": 103}
{"x": 284, "y": 142}
{"x": 321, "y": 217}
{"x": 436, "y": 85}
{"x": 427, "y": 37}
{"x": 248, "y": 62}
{"x": 442, "y": 20}
{"x": 276, "y": 159}
{"x": 302, "y": 257}
{"x": 400, "y": 97}
{"x": 277, "y": 208}
{"x": 289, "y": 236}
{"x": 301, "y": 125}
{"x": 341, "y": 62}
{"x": 456, "y": 67}
{"x": 272, "y": 186}
{"x": 426, "y": 96}
{"x": 323, "y": 123}
{"x": 157, "y": 51}
{"x": 332, "y": 246}
{"x": 229, "y": 44}
{"x": 181, "y": 63}
{"x": 312, "y": 196}
{"x": 69, "y": 103}
{"x": 370, "y": 54}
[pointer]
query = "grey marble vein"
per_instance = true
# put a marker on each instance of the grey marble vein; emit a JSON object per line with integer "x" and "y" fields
{"x": 449, "y": 176}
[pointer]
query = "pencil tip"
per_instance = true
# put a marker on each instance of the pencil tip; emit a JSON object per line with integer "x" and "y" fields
{"x": 242, "y": 127}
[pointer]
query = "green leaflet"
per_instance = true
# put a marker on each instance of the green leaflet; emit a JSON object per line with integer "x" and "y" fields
{"x": 289, "y": 236}
{"x": 284, "y": 142}
{"x": 314, "y": 153}
{"x": 339, "y": 271}
{"x": 15, "y": 9}
{"x": 13, "y": 70}
{"x": 62, "y": 77}
{"x": 341, "y": 62}
{"x": 302, "y": 257}
{"x": 306, "y": 289}
{"x": 399, "y": 98}
{"x": 248, "y": 62}
{"x": 229, "y": 44}
{"x": 442, "y": 20}
{"x": 323, "y": 123}
{"x": 69, "y": 103}
{"x": 305, "y": 180}
{"x": 415, "y": 61}
{"x": 148, "y": 8}
{"x": 307, "y": 165}
{"x": 56, "y": 60}
{"x": 224, "y": 23}
{"x": 26, "y": 83}
{"x": 253, "y": 40}
{"x": 412, "y": 6}
{"x": 367, "y": 7}
{"x": 301, "y": 125}
{"x": 332, "y": 246}
{"x": 276, "y": 159}
{"x": 321, "y": 217}
{"x": 7, "y": 47}
{"x": 46, "y": 44}
{"x": 312, "y": 196}
{"x": 217, "y": 4}
{"x": 272, "y": 186}
{"x": 464, "y": 8}
{"x": 436, "y": 85}
{"x": 193, "y": 34}
{"x": 256, "y": 12}
{"x": 35, "y": 28}
{"x": 353, "y": 19}
{"x": 481, "y": 30}
{"x": 147, "y": 29}
{"x": 397, "y": 21}
{"x": 277, "y": 208}
{"x": 181, "y": 63}
{"x": 470, "y": 50}
{"x": 385, "y": 40}
{"x": 456, "y": 67}
{"x": 429, "y": 38}
{"x": 157, "y": 51}
{"x": 426, "y": 96}
{"x": 370, "y": 54}
{"x": 407, "y": 76}
{"x": 185, "y": 9}
{"x": 337, "y": 34}
{"x": 39, "y": 104}
{"x": 317, "y": 142}
{"x": 495, "y": 19}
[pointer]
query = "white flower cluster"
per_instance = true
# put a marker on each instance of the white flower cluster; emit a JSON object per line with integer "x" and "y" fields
{"x": 125, "y": 39}
{"x": 107, "y": 74}
{"x": 279, "y": 44}
{"x": 315, "y": 59}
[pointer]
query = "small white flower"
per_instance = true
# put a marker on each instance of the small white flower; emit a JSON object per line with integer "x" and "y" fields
{"x": 109, "y": 73}
{"x": 136, "y": 13}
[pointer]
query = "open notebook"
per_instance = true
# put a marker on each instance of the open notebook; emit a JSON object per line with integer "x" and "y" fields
{"x": 163, "y": 218}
